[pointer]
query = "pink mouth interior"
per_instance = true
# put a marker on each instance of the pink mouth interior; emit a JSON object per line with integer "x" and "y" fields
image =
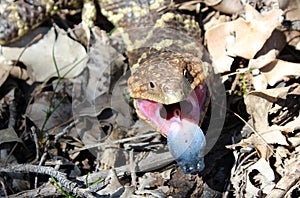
{"x": 163, "y": 115}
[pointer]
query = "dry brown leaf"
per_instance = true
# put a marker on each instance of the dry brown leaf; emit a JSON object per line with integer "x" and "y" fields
{"x": 8, "y": 135}
{"x": 113, "y": 184}
{"x": 4, "y": 73}
{"x": 92, "y": 96}
{"x": 242, "y": 37}
{"x": 274, "y": 137}
{"x": 110, "y": 154}
{"x": 37, "y": 111}
{"x": 283, "y": 4}
{"x": 153, "y": 184}
{"x": 273, "y": 94}
{"x": 290, "y": 178}
{"x": 293, "y": 10}
{"x": 259, "y": 104}
{"x": 252, "y": 33}
{"x": 290, "y": 127}
{"x": 228, "y": 6}
{"x": 69, "y": 55}
{"x": 264, "y": 151}
{"x": 279, "y": 70}
{"x": 258, "y": 108}
{"x": 277, "y": 41}
{"x": 295, "y": 141}
{"x": 261, "y": 173}
{"x": 262, "y": 60}
{"x": 14, "y": 71}
{"x": 212, "y": 2}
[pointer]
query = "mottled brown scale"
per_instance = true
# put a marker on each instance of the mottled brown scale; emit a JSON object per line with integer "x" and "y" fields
{"x": 19, "y": 17}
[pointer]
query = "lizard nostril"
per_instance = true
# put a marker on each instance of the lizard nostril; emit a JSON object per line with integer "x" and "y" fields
{"x": 151, "y": 85}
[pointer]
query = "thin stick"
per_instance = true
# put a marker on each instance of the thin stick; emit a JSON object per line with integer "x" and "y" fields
{"x": 115, "y": 142}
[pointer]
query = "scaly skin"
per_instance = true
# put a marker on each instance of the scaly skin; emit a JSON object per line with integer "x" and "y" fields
{"x": 20, "y": 17}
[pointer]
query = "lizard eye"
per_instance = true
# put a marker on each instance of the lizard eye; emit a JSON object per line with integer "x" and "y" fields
{"x": 188, "y": 76}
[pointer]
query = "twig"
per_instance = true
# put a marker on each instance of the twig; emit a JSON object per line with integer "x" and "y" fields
{"x": 43, "y": 158}
{"x": 13, "y": 110}
{"x": 132, "y": 168}
{"x": 37, "y": 148}
{"x": 26, "y": 46}
{"x": 115, "y": 142}
{"x": 98, "y": 157}
{"x": 46, "y": 190}
{"x": 65, "y": 130}
{"x": 61, "y": 178}
{"x": 3, "y": 188}
{"x": 11, "y": 153}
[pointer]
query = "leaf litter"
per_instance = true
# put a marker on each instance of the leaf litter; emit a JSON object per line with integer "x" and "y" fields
{"x": 75, "y": 100}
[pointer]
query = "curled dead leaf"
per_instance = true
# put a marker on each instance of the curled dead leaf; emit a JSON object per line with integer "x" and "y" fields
{"x": 70, "y": 56}
{"x": 279, "y": 70}
{"x": 229, "y": 6}
{"x": 242, "y": 37}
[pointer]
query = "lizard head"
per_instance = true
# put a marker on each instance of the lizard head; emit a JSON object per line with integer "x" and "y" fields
{"x": 165, "y": 98}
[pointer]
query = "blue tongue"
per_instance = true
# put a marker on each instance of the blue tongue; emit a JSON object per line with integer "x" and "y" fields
{"x": 186, "y": 143}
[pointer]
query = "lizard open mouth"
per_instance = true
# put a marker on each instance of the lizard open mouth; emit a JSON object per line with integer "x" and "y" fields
{"x": 162, "y": 116}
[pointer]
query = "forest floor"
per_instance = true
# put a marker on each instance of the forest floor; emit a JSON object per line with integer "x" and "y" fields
{"x": 67, "y": 130}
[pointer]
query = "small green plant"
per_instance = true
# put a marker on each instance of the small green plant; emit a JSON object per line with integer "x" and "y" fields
{"x": 111, "y": 31}
{"x": 244, "y": 84}
{"x": 94, "y": 183}
{"x": 52, "y": 107}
